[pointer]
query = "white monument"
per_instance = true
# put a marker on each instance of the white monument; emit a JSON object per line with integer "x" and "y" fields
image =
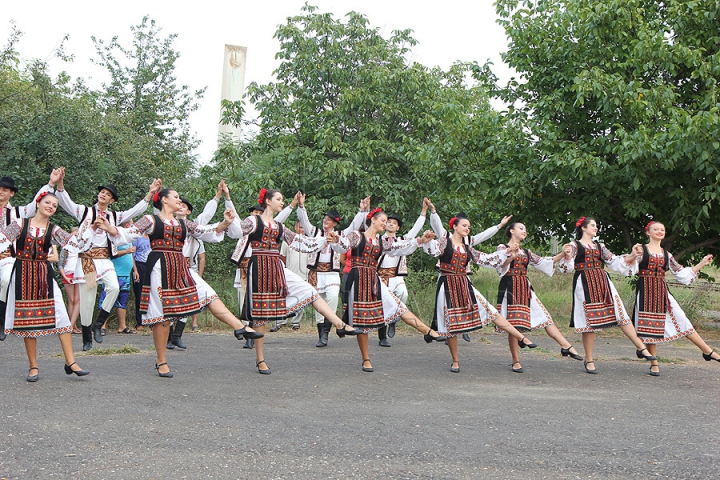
{"x": 233, "y": 83}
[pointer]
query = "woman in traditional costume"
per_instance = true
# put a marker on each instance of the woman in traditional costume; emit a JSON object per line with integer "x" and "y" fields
{"x": 34, "y": 302}
{"x": 516, "y": 299}
{"x": 596, "y": 303}
{"x": 459, "y": 307}
{"x": 368, "y": 302}
{"x": 273, "y": 291}
{"x": 657, "y": 316}
{"x": 169, "y": 288}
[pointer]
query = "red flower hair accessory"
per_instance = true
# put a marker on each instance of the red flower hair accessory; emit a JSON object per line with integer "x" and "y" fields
{"x": 40, "y": 197}
{"x": 580, "y": 221}
{"x": 156, "y": 196}
{"x": 373, "y": 212}
{"x": 647, "y": 227}
{"x": 261, "y": 198}
{"x": 452, "y": 222}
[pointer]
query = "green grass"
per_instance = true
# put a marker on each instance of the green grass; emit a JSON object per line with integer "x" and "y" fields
{"x": 124, "y": 350}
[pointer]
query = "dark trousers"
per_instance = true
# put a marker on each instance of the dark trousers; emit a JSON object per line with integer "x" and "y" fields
{"x": 137, "y": 288}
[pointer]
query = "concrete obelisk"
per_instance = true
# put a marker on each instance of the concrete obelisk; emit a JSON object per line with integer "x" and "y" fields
{"x": 233, "y": 83}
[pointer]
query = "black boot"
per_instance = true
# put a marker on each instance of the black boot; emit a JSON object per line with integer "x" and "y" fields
{"x": 382, "y": 336}
{"x": 320, "y": 342}
{"x": 170, "y": 345}
{"x": 249, "y": 343}
{"x": 176, "y": 337}
{"x": 87, "y": 338}
{"x": 98, "y": 323}
{"x": 326, "y": 327}
{"x": 3, "y": 309}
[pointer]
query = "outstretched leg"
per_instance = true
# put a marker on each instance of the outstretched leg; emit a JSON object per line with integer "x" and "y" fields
{"x": 503, "y": 324}
{"x": 222, "y": 313}
{"x": 160, "y": 336}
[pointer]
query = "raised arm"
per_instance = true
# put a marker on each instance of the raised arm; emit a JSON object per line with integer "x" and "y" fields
{"x": 490, "y": 232}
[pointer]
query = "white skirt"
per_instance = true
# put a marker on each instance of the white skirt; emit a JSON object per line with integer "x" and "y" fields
{"x": 579, "y": 318}
{"x": 155, "y": 313}
{"x": 677, "y": 325}
{"x": 62, "y": 321}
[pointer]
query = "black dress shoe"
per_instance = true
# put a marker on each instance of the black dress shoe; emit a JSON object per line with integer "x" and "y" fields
{"x": 466, "y": 337}
{"x": 593, "y": 371}
{"x": 429, "y": 338}
{"x": 164, "y": 375}
{"x": 87, "y": 346}
{"x": 364, "y": 368}
{"x": 276, "y": 328}
{"x": 341, "y": 332}
{"x": 567, "y": 353}
{"x": 384, "y": 343}
{"x": 79, "y": 373}
{"x": 454, "y": 369}
{"x": 243, "y": 333}
{"x": 640, "y": 354}
{"x": 33, "y": 378}
{"x": 708, "y": 356}
{"x": 263, "y": 372}
{"x": 654, "y": 374}
{"x": 516, "y": 370}
{"x": 528, "y": 345}
{"x": 249, "y": 343}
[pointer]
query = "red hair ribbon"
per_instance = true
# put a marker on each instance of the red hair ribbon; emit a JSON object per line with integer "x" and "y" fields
{"x": 452, "y": 222}
{"x": 40, "y": 197}
{"x": 648, "y": 225}
{"x": 156, "y": 196}
{"x": 373, "y": 212}
{"x": 261, "y": 198}
{"x": 580, "y": 221}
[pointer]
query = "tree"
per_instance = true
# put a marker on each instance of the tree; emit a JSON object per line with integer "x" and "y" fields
{"x": 617, "y": 106}
{"x": 143, "y": 88}
{"x": 349, "y": 115}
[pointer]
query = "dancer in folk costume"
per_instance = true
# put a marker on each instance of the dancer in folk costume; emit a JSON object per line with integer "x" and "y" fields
{"x": 393, "y": 269}
{"x": 475, "y": 240}
{"x": 273, "y": 291}
{"x": 35, "y": 303}
{"x": 459, "y": 307}
{"x": 9, "y": 214}
{"x": 324, "y": 265}
{"x": 93, "y": 265}
{"x": 170, "y": 289}
{"x": 241, "y": 258}
{"x": 516, "y": 299}
{"x": 596, "y": 303}
{"x": 194, "y": 252}
{"x": 368, "y": 302}
{"x": 657, "y": 315}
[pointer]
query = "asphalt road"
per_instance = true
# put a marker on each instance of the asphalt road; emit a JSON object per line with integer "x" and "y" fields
{"x": 319, "y": 416}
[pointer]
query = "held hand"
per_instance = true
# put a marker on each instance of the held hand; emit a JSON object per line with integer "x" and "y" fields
{"x": 229, "y": 215}
{"x": 707, "y": 260}
{"x": 55, "y": 176}
{"x": 332, "y": 237}
{"x": 219, "y": 192}
{"x": 637, "y": 249}
{"x": 430, "y": 205}
{"x": 225, "y": 189}
{"x": 567, "y": 251}
{"x": 102, "y": 223}
{"x": 427, "y": 236}
{"x": 504, "y": 221}
{"x": 155, "y": 186}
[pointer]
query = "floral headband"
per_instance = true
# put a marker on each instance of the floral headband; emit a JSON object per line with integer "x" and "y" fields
{"x": 647, "y": 227}
{"x": 373, "y": 212}
{"x": 261, "y": 198}
{"x": 580, "y": 221}
{"x": 40, "y": 197}
{"x": 452, "y": 222}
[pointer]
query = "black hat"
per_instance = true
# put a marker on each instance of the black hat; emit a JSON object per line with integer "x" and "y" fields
{"x": 395, "y": 217}
{"x": 8, "y": 182}
{"x": 255, "y": 206}
{"x": 189, "y": 205}
{"x": 334, "y": 215}
{"x": 110, "y": 188}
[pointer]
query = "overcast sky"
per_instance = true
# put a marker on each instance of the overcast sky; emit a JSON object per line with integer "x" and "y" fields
{"x": 447, "y": 31}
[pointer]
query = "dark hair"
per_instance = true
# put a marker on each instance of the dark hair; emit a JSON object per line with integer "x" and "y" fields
{"x": 510, "y": 227}
{"x": 584, "y": 223}
{"x": 373, "y": 214}
{"x": 160, "y": 195}
{"x": 269, "y": 193}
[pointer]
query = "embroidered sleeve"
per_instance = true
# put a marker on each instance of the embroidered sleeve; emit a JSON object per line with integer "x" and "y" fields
{"x": 398, "y": 248}
{"x": 542, "y": 264}
{"x": 432, "y": 248}
{"x": 684, "y": 275}
{"x": 9, "y": 234}
{"x": 61, "y": 237}
{"x": 305, "y": 222}
{"x": 488, "y": 260}
{"x": 206, "y": 233}
{"x": 303, "y": 243}
{"x": 134, "y": 231}
{"x": 351, "y": 240}
{"x": 616, "y": 263}
{"x": 441, "y": 245}
{"x": 249, "y": 225}
{"x": 484, "y": 235}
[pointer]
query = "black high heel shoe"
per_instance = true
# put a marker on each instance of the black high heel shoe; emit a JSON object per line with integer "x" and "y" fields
{"x": 341, "y": 332}
{"x": 641, "y": 355}
{"x": 263, "y": 372}
{"x": 708, "y": 356}
{"x": 242, "y": 333}
{"x": 654, "y": 374}
{"x": 516, "y": 370}
{"x": 164, "y": 375}
{"x": 567, "y": 353}
{"x": 79, "y": 373}
{"x": 528, "y": 345}
{"x": 429, "y": 338}
{"x": 33, "y": 378}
